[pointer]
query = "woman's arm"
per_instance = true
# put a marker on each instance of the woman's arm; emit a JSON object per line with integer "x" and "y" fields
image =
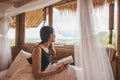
{"x": 36, "y": 65}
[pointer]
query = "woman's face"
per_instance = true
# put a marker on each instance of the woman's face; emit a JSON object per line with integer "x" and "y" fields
{"x": 52, "y": 37}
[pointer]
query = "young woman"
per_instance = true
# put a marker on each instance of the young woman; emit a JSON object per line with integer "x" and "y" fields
{"x": 42, "y": 57}
{"x": 42, "y": 54}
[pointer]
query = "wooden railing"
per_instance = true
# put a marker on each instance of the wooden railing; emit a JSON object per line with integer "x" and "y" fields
{"x": 112, "y": 53}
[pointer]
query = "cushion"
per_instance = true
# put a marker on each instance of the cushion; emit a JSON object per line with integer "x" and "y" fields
{"x": 20, "y": 61}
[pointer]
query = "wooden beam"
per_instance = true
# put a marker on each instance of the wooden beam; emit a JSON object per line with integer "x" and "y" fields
{"x": 21, "y": 3}
{"x": 3, "y": 1}
{"x": 62, "y": 3}
{"x": 50, "y": 9}
{"x": 118, "y": 43}
{"x": 20, "y": 30}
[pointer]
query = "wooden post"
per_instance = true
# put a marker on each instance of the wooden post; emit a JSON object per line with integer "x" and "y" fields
{"x": 20, "y": 30}
{"x": 111, "y": 21}
{"x": 118, "y": 43}
{"x": 50, "y": 9}
{"x": 45, "y": 10}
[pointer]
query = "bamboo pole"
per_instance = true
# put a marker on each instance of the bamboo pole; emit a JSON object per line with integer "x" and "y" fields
{"x": 20, "y": 30}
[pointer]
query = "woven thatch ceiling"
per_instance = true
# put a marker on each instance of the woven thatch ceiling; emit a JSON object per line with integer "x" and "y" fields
{"x": 15, "y": 7}
{"x": 72, "y": 4}
{"x": 34, "y": 18}
{"x": 5, "y": 4}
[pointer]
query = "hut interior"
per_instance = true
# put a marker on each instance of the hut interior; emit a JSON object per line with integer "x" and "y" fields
{"x": 25, "y": 14}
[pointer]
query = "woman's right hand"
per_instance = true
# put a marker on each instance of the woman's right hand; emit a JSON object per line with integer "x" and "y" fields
{"x": 61, "y": 68}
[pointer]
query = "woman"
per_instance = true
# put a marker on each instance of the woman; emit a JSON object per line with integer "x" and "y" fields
{"x": 44, "y": 48}
{"x": 41, "y": 58}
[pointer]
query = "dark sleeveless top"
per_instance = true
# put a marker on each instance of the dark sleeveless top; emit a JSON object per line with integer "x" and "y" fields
{"x": 45, "y": 60}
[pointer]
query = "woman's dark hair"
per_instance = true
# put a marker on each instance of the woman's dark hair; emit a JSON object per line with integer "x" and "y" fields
{"x": 45, "y": 32}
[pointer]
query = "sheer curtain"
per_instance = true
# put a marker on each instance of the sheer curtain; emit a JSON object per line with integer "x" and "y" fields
{"x": 5, "y": 50}
{"x": 90, "y": 54}
{"x": 33, "y": 5}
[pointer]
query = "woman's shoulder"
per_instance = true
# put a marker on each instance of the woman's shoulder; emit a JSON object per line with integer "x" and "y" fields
{"x": 38, "y": 46}
{"x": 37, "y": 49}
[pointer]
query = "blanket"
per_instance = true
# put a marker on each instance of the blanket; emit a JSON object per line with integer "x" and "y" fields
{"x": 25, "y": 73}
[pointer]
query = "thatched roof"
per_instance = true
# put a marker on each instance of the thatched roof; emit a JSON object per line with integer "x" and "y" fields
{"x": 72, "y": 4}
{"x": 64, "y": 5}
{"x": 99, "y": 3}
{"x": 34, "y": 18}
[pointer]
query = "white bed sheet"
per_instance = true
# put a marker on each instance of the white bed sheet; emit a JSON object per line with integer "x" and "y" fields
{"x": 3, "y": 75}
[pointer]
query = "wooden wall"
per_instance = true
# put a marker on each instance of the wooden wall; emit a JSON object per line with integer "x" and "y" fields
{"x": 61, "y": 51}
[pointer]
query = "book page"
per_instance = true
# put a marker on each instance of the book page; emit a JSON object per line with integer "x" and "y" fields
{"x": 66, "y": 60}
{"x": 51, "y": 67}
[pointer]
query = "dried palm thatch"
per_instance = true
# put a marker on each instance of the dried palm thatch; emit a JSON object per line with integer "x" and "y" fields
{"x": 34, "y": 18}
{"x": 69, "y": 5}
{"x": 99, "y": 3}
{"x": 110, "y": 1}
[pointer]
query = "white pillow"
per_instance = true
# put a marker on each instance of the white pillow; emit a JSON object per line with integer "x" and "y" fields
{"x": 20, "y": 61}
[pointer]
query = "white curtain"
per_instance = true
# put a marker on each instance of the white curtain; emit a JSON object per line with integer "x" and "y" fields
{"x": 90, "y": 54}
{"x": 33, "y": 5}
{"x": 5, "y": 50}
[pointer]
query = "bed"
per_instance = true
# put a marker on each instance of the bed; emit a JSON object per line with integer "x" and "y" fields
{"x": 3, "y": 75}
{"x": 20, "y": 61}
{"x": 12, "y": 73}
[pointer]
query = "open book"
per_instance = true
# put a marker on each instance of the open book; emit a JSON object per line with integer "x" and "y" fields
{"x": 65, "y": 61}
